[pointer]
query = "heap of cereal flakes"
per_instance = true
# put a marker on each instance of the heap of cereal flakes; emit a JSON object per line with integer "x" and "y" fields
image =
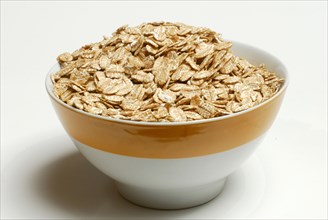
{"x": 161, "y": 72}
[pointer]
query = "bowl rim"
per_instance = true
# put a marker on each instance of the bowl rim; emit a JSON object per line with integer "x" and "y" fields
{"x": 49, "y": 90}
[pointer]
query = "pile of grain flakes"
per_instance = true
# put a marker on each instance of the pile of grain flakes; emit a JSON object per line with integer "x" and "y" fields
{"x": 159, "y": 72}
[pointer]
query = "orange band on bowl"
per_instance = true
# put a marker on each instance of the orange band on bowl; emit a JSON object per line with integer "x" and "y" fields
{"x": 179, "y": 141}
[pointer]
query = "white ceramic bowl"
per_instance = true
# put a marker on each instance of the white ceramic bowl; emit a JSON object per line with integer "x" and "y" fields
{"x": 176, "y": 164}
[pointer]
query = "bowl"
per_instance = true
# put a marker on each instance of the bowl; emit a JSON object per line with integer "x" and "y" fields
{"x": 172, "y": 165}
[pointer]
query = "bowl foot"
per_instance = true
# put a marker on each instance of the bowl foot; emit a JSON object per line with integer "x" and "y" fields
{"x": 171, "y": 198}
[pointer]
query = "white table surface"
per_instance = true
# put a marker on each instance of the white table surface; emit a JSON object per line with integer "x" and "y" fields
{"x": 42, "y": 174}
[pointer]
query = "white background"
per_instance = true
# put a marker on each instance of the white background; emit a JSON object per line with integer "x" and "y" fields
{"x": 43, "y": 175}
